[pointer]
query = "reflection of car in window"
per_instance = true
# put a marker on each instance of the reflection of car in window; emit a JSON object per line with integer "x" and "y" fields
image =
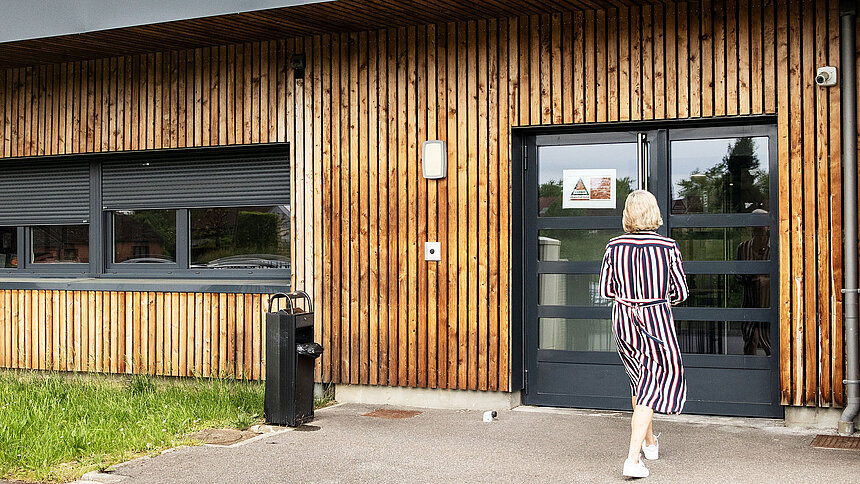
{"x": 147, "y": 260}
{"x": 248, "y": 261}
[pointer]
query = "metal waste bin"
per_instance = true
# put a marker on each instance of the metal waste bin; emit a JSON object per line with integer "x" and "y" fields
{"x": 290, "y": 355}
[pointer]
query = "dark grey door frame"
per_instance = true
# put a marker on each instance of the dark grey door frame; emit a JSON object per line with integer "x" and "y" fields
{"x": 525, "y": 264}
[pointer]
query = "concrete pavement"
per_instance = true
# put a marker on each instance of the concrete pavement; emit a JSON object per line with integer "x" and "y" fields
{"x": 524, "y": 444}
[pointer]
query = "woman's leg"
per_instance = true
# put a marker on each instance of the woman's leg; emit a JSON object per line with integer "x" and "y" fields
{"x": 639, "y": 425}
{"x": 650, "y": 439}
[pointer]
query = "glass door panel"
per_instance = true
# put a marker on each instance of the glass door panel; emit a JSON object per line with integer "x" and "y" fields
{"x": 723, "y": 175}
{"x": 556, "y": 162}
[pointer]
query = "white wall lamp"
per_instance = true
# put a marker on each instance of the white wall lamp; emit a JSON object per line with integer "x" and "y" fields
{"x": 434, "y": 159}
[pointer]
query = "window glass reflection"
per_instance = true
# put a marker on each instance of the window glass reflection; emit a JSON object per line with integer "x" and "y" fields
{"x": 574, "y": 245}
{"x": 8, "y": 247}
{"x": 145, "y": 236}
{"x": 723, "y": 243}
{"x": 61, "y": 244}
{"x": 576, "y": 334}
{"x": 728, "y": 291}
{"x": 240, "y": 238}
{"x": 553, "y": 160}
{"x": 724, "y": 337}
{"x": 728, "y": 175}
{"x": 570, "y": 290}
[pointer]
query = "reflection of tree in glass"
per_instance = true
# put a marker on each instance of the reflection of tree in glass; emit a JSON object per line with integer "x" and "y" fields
{"x": 550, "y": 200}
{"x": 736, "y": 184}
{"x": 162, "y": 223}
{"x": 227, "y": 232}
{"x": 214, "y": 227}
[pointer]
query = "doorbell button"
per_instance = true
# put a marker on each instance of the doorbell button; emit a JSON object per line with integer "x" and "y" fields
{"x": 432, "y": 251}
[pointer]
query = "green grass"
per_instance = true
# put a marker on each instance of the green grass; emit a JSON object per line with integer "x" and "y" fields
{"x": 55, "y": 428}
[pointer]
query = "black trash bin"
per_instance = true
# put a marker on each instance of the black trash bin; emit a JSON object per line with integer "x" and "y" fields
{"x": 290, "y": 355}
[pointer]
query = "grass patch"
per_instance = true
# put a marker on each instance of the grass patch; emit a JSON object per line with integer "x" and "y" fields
{"x": 55, "y": 428}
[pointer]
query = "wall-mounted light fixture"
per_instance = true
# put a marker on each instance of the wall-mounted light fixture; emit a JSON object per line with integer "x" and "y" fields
{"x": 297, "y": 63}
{"x": 434, "y": 159}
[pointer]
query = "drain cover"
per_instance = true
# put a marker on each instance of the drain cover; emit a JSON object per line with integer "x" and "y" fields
{"x": 836, "y": 442}
{"x": 392, "y": 414}
{"x": 222, "y": 436}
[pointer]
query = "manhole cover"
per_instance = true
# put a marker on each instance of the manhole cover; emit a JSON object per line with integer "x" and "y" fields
{"x": 836, "y": 442}
{"x": 307, "y": 428}
{"x": 392, "y": 414}
{"x": 222, "y": 436}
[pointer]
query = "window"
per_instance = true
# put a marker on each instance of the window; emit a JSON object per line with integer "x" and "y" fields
{"x": 144, "y": 236}
{"x": 8, "y": 247}
{"x": 240, "y": 237}
{"x": 60, "y": 244}
{"x": 203, "y": 212}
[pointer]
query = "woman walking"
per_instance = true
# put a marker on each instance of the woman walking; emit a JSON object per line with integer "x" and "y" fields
{"x": 642, "y": 272}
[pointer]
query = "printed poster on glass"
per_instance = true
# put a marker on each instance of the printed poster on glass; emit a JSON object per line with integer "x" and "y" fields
{"x": 588, "y": 189}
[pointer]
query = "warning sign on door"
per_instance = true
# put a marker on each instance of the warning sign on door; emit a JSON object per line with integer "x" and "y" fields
{"x": 588, "y": 189}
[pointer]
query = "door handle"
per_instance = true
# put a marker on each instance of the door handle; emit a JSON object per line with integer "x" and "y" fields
{"x": 642, "y": 161}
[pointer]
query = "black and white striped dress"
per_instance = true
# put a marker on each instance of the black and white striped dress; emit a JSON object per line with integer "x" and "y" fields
{"x": 642, "y": 272}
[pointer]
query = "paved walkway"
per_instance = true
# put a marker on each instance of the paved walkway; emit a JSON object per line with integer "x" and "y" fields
{"x": 525, "y": 444}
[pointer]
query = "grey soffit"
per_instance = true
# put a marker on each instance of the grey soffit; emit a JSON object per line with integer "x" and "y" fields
{"x": 33, "y": 19}
{"x": 204, "y": 180}
{"x": 29, "y": 193}
{"x": 243, "y": 24}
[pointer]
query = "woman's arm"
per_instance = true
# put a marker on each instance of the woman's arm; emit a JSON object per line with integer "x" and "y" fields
{"x": 607, "y": 288}
{"x": 678, "y": 290}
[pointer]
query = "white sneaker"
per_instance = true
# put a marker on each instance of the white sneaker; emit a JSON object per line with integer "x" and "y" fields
{"x": 652, "y": 452}
{"x": 635, "y": 469}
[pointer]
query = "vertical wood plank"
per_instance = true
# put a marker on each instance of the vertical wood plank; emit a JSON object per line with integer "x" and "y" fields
{"x": 808, "y": 162}
{"x": 223, "y": 357}
{"x": 206, "y": 335}
{"x": 647, "y": 63}
{"x": 796, "y": 201}
{"x": 590, "y": 68}
{"x": 230, "y": 367}
{"x": 566, "y": 61}
{"x": 785, "y": 290}
{"x": 636, "y": 88}
{"x": 480, "y": 248}
{"x": 258, "y": 340}
{"x": 452, "y": 102}
{"x": 744, "y": 45}
{"x": 623, "y": 64}
{"x": 732, "y": 61}
{"x": 694, "y": 58}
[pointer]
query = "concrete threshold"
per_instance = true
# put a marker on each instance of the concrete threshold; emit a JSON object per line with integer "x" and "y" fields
{"x": 773, "y": 425}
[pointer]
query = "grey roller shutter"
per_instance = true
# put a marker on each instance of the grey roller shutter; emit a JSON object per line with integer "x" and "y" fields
{"x": 40, "y": 192}
{"x": 209, "y": 177}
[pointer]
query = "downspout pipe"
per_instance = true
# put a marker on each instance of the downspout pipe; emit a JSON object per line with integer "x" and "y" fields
{"x": 848, "y": 61}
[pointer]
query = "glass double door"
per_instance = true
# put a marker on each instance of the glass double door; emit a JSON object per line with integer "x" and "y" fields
{"x": 717, "y": 197}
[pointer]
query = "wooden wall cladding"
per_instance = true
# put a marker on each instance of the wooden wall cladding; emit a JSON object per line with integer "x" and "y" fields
{"x": 173, "y": 334}
{"x": 368, "y": 99}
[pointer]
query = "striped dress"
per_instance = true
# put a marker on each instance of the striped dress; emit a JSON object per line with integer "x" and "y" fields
{"x": 642, "y": 272}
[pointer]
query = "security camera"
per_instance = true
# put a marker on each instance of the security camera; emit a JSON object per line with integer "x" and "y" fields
{"x": 826, "y": 76}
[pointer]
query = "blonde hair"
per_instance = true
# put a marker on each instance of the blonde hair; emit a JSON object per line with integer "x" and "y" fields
{"x": 641, "y": 212}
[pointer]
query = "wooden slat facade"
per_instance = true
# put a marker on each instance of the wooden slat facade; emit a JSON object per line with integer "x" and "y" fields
{"x": 171, "y": 334}
{"x": 362, "y": 211}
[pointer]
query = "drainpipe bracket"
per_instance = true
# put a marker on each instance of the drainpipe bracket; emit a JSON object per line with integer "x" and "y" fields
{"x": 850, "y": 290}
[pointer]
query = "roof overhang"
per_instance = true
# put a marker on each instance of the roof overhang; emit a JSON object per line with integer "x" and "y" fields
{"x": 37, "y": 32}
